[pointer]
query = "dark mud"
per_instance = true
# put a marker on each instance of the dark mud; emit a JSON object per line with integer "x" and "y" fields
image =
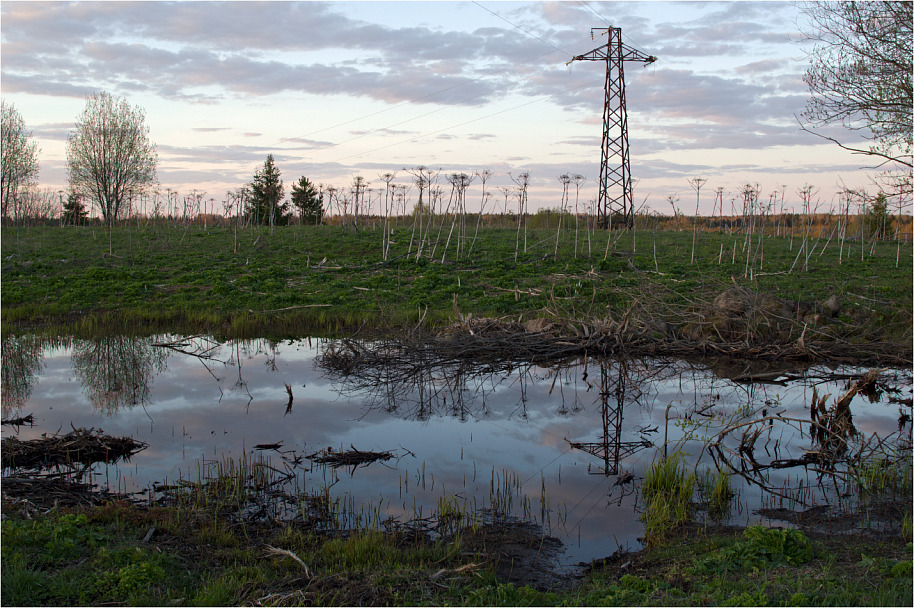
{"x": 522, "y": 554}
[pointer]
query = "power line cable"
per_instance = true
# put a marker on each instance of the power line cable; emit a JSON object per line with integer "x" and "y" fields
{"x": 451, "y": 105}
{"x": 595, "y": 13}
{"x": 529, "y": 33}
{"x": 608, "y": 24}
{"x": 420, "y": 98}
{"x": 412, "y": 139}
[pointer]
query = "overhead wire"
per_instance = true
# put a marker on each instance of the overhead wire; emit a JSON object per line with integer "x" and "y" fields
{"x": 420, "y": 98}
{"x": 412, "y": 139}
{"x": 595, "y": 13}
{"x": 440, "y": 109}
{"x": 608, "y": 24}
{"x": 532, "y": 35}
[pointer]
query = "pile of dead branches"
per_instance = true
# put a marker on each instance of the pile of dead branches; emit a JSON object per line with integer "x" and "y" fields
{"x": 78, "y": 449}
{"x": 499, "y": 344}
{"x": 37, "y": 494}
{"x": 348, "y": 458}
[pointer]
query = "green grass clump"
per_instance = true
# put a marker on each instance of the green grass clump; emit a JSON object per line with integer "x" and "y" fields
{"x": 716, "y": 493}
{"x": 667, "y": 491}
{"x": 878, "y": 477}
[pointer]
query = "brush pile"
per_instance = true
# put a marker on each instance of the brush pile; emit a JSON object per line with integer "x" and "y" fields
{"x": 349, "y": 458}
{"x": 500, "y": 344}
{"x": 74, "y": 451}
{"x": 37, "y": 494}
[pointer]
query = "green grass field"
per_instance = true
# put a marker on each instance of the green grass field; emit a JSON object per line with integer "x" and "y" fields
{"x": 120, "y": 555}
{"x": 328, "y": 278}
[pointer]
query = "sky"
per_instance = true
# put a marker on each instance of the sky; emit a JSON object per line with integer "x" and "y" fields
{"x": 339, "y": 89}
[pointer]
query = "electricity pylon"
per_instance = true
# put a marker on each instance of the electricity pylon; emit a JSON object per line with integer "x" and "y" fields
{"x": 611, "y": 449}
{"x": 615, "y": 196}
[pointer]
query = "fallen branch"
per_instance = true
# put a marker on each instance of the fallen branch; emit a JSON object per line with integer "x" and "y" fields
{"x": 271, "y": 550}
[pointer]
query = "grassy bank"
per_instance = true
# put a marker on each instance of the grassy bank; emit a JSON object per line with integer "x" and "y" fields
{"x": 296, "y": 280}
{"x": 119, "y": 554}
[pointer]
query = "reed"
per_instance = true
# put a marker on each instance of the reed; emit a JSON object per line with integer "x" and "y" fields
{"x": 667, "y": 492}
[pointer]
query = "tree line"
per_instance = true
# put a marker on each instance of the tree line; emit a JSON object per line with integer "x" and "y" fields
{"x": 111, "y": 162}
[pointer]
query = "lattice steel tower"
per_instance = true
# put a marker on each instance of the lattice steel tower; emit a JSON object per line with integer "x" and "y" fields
{"x": 615, "y": 195}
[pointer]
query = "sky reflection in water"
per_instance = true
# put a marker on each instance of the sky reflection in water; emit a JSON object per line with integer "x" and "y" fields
{"x": 450, "y": 442}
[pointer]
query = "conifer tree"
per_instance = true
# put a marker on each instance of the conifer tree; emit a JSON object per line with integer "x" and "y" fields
{"x": 307, "y": 200}
{"x": 74, "y": 211}
{"x": 265, "y": 205}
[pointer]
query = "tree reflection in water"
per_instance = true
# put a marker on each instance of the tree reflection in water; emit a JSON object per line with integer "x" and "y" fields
{"x": 117, "y": 371}
{"x": 22, "y": 362}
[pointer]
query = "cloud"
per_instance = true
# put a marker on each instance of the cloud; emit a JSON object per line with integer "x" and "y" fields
{"x": 305, "y": 143}
{"x": 383, "y": 132}
{"x": 762, "y": 67}
{"x": 587, "y": 141}
{"x": 177, "y": 47}
{"x": 55, "y": 130}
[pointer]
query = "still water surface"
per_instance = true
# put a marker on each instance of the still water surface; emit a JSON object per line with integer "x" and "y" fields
{"x": 468, "y": 434}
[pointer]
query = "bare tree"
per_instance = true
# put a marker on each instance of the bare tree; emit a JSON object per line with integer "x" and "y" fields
{"x": 860, "y": 73}
{"x": 483, "y": 176}
{"x": 110, "y": 157}
{"x": 696, "y": 184}
{"x": 19, "y": 156}
{"x": 522, "y": 181}
{"x": 578, "y": 180}
{"x": 565, "y": 180}
{"x": 359, "y": 185}
{"x": 387, "y": 178}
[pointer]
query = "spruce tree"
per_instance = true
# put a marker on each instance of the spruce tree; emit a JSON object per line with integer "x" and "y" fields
{"x": 306, "y": 199}
{"x": 266, "y": 206}
{"x": 74, "y": 211}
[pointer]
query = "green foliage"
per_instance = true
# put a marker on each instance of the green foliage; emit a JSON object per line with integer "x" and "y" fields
{"x": 74, "y": 211}
{"x": 878, "y": 221}
{"x": 98, "y": 558}
{"x": 860, "y": 71}
{"x": 877, "y": 477}
{"x": 505, "y": 594}
{"x": 111, "y": 138}
{"x": 69, "y": 559}
{"x": 18, "y": 158}
{"x": 763, "y": 548}
{"x": 363, "y": 551}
